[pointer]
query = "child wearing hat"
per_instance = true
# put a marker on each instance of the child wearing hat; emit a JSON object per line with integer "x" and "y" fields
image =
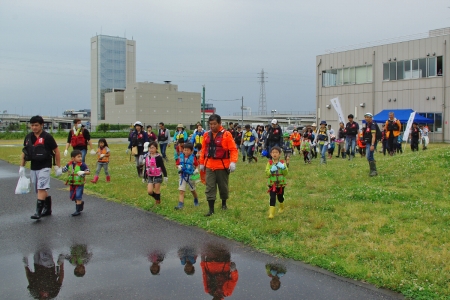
{"x": 180, "y": 133}
{"x": 287, "y": 148}
{"x": 322, "y": 139}
{"x": 305, "y": 147}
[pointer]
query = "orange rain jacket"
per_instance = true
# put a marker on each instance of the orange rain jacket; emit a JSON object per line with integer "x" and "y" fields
{"x": 224, "y": 279}
{"x": 396, "y": 132}
{"x": 228, "y": 144}
{"x": 295, "y": 138}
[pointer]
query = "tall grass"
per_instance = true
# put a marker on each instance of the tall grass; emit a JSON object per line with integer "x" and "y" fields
{"x": 391, "y": 230}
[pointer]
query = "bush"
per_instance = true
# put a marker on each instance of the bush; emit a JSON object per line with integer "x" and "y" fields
{"x": 103, "y": 127}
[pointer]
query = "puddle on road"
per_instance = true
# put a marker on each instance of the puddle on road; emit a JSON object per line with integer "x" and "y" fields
{"x": 188, "y": 272}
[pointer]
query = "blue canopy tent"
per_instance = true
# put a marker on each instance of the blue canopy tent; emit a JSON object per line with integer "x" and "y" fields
{"x": 402, "y": 115}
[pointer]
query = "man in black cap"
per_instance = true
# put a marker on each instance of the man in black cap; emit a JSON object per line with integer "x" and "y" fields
{"x": 351, "y": 131}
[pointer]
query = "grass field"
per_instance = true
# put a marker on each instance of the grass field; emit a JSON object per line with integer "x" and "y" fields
{"x": 391, "y": 230}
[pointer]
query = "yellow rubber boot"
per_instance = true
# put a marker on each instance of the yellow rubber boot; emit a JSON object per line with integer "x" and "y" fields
{"x": 271, "y": 211}
{"x": 281, "y": 207}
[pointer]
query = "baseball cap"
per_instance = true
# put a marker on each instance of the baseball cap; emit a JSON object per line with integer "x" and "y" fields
{"x": 368, "y": 114}
{"x": 274, "y": 121}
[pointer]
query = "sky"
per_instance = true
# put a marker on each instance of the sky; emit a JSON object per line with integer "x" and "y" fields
{"x": 222, "y": 44}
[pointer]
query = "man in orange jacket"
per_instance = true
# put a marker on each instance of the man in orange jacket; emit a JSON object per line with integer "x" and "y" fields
{"x": 393, "y": 128}
{"x": 218, "y": 157}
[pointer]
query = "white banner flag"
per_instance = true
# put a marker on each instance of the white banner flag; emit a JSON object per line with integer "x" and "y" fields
{"x": 337, "y": 107}
{"x": 408, "y": 126}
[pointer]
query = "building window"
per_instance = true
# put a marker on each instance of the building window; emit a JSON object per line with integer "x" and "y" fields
{"x": 412, "y": 69}
{"x": 437, "y": 117}
{"x": 352, "y": 75}
{"x": 180, "y": 99}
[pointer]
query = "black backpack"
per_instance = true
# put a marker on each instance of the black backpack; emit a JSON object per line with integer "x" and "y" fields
{"x": 36, "y": 151}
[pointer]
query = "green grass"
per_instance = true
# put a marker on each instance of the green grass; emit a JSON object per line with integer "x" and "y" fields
{"x": 391, "y": 230}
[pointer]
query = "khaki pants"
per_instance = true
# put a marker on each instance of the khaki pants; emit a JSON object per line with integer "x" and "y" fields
{"x": 214, "y": 179}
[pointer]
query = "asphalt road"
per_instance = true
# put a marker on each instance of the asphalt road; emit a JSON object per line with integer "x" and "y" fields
{"x": 119, "y": 243}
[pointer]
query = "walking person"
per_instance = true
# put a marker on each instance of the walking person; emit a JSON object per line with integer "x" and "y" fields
{"x": 138, "y": 138}
{"x": 249, "y": 141}
{"x": 163, "y": 139}
{"x": 322, "y": 139}
{"x": 341, "y": 140}
{"x": 77, "y": 171}
{"x": 40, "y": 148}
{"x": 103, "y": 154}
{"x": 79, "y": 138}
{"x": 370, "y": 132}
{"x": 187, "y": 168}
{"x": 351, "y": 131}
{"x": 218, "y": 157}
{"x": 151, "y": 135}
{"x": 154, "y": 172}
{"x": 276, "y": 172}
{"x": 393, "y": 128}
{"x": 274, "y": 136}
{"x": 414, "y": 136}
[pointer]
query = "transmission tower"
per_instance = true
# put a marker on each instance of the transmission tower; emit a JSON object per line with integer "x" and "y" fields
{"x": 262, "y": 109}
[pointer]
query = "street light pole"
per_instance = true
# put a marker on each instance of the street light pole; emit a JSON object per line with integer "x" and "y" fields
{"x": 203, "y": 118}
{"x": 242, "y": 111}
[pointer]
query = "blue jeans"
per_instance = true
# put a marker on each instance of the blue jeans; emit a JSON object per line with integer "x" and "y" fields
{"x": 163, "y": 150}
{"x": 83, "y": 154}
{"x": 323, "y": 151}
{"x": 249, "y": 150}
{"x": 350, "y": 145}
{"x": 369, "y": 154}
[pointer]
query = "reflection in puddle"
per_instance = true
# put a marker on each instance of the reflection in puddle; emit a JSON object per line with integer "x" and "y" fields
{"x": 46, "y": 280}
{"x": 275, "y": 271}
{"x": 188, "y": 258}
{"x": 156, "y": 257}
{"x": 219, "y": 272}
{"x": 79, "y": 257}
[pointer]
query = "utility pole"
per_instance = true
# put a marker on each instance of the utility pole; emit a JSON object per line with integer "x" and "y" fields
{"x": 203, "y": 118}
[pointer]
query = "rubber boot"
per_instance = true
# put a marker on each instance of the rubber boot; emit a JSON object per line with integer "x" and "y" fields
{"x": 39, "y": 207}
{"x": 82, "y": 206}
{"x": 179, "y": 206}
{"x": 271, "y": 212}
{"x": 47, "y": 210}
{"x": 243, "y": 158}
{"x": 211, "y": 208}
{"x": 139, "y": 171}
{"x": 95, "y": 179}
{"x": 77, "y": 210}
{"x": 281, "y": 209}
{"x": 343, "y": 155}
{"x": 373, "y": 169}
{"x": 108, "y": 178}
{"x": 224, "y": 205}
{"x": 321, "y": 160}
{"x": 157, "y": 198}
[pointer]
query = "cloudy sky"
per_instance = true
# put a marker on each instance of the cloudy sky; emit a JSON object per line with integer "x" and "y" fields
{"x": 224, "y": 45}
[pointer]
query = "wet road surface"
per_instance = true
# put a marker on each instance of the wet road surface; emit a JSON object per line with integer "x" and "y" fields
{"x": 120, "y": 252}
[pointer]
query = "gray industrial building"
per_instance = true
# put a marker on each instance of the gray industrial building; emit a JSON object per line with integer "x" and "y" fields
{"x": 116, "y": 97}
{"x": 408, "y": 74}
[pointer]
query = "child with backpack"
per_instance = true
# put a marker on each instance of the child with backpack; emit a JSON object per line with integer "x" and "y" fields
{"x": 331, "y": 146}
{"x": 187, "y": 168}
{"x": 77, "y": 169}
{"x": 276, "y": 172}
{"x": 154, "y": 171}
{"x": 103, "y": 154}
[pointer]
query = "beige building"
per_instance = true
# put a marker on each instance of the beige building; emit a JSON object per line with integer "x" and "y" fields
{"x": 152, "y": 103}
{"x": 116, "y": 97}
{"x": 402, "y": 75}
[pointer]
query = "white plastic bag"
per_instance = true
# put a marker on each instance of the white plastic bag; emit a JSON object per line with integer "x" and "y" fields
{"x": 23, "y": 186}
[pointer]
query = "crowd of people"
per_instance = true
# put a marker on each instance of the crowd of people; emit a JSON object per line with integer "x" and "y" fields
{"x": 209, "y": 156}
